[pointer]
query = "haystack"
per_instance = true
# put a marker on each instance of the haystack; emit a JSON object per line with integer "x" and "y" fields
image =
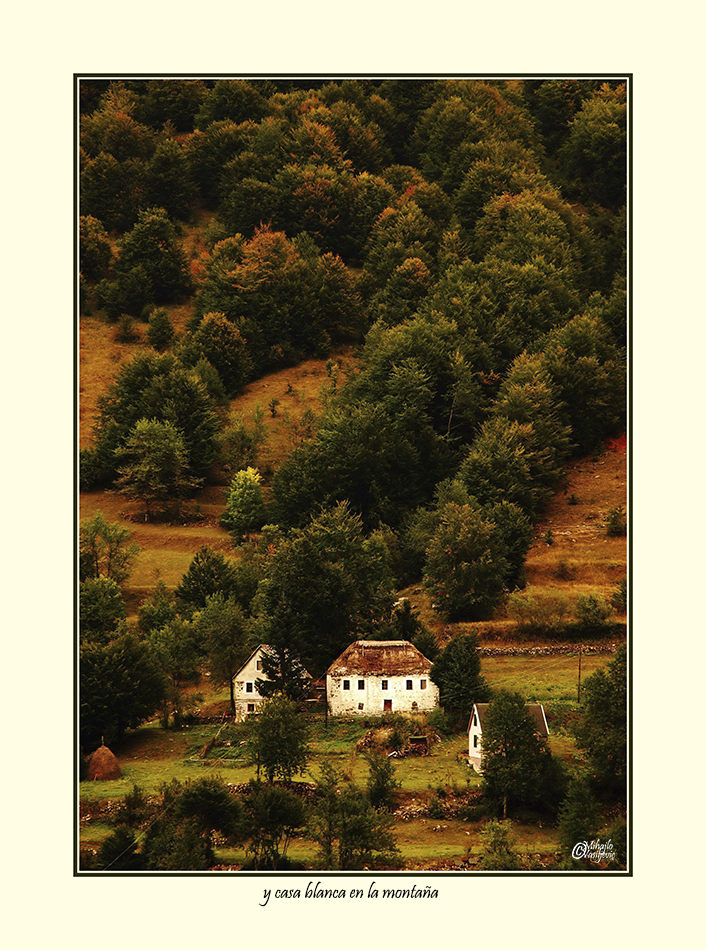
{"x": 102, "y": 765}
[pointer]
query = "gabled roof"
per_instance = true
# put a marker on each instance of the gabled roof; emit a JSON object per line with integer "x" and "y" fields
{"x": 262, "y": 648}
{"x": 536, "y": 711}
{"x": 380, "y": 658}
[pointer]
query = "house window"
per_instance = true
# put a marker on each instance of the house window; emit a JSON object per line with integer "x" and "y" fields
{"x": 409, "y": 684}
{"x": 422, "y": 684}
{"x": 360, "y": 706}
{"x": 384, "y": 684}
{"x": 259, "y": 666}
{"x": 475, "y": 719}
{"x": 475, "y": 742}
{"x": 248, "y": 687}
{"x": 251, "y": 707}
{"x": 361, "y": 684}
{"x": 346, "y": 684}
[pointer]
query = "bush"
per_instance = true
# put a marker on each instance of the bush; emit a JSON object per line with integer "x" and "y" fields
{"x": 592, "y": 614}
{"x": 239, "y": 443}
{"x": 134, "y": 808}
{"x": 126, "y": 329}
{"x": 619, "y": 597}
{"x": 440, "y": 722}
{"x": 565, "y": 570}
{"x": 160, "y": 330}
{"x": 498, "y": 847}
{"x": 539, "y": 614}
{"x": 382, "y": 784}
{"x": 119, "y": 852}
{"x": 616, "y": 524}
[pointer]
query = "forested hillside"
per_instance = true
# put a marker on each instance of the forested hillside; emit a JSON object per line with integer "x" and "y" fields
{"x": 343, "y": 341}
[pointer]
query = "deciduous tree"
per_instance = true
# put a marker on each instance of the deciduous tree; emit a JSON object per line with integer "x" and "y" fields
{"x": 153, "y": 245}
{"x": 224, "y": 632}
{"x": 350, "y": 831}
{"x": 517, "y": 767}
{"x": 278, "y": 740}
{"x": 465, "y": 568}
{"x": 120, "y": 685}
{"x": 245, "y": 509}
{"x": 101, "y": 608}
{"x": 602, "y": 731}
{"x": 105, "y": 549}
{"x": 272, "y": 817}
{"x": 156, "y": 387}
{"x": 325, "y": 587}
{"x": 155, "y": 465}
{"x": 457, "y": 673}
{"x": 176, "y": 649}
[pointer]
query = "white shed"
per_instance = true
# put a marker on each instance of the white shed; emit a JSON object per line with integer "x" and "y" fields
{"x": 372, "y": 677}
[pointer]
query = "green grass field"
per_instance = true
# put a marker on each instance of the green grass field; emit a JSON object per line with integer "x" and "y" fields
{"x": 152, "y": 756}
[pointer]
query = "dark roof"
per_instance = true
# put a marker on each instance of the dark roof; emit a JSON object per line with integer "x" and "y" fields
{"x": 536, "y": 710}
{"x": 380, "y": 658}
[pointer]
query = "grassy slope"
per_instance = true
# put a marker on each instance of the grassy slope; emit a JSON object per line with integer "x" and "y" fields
{"x": 152, "y": 756}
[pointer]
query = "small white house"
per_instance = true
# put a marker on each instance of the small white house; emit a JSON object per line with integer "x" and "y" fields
{"x": 475, "y": 730}
{"x": 247, "y": 698}
{"x": 372, "y": 677}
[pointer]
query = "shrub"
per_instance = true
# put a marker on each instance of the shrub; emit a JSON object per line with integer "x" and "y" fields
{"x": 565, "y": 570}
{"x": 498, "y": 847}
{"x": 592, "y": 614}
{"x": 119, "y": 852}
{"x": 439, "y": 721}
{"x": 544, "y": 614}
{"x": 619, "y": 597}
{"x": 134, "y": 808}
{"x": 160, "y": 331}
{"x": 382, "y": 784}
{"x": 126, "y": 329}
{"x": 616, "y": 525}
{"x": 239, "y": 443}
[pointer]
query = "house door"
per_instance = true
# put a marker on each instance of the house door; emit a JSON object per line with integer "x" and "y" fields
{"x": 388, "y": 705}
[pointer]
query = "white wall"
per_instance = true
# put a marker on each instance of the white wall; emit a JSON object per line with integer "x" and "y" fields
{"x": 244, "y": 698}
{"x": 348, "y": 702}
{"x": 474, "y": 743}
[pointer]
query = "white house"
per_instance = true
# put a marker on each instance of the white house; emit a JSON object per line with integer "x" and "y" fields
{"x": 475, "y": 730}
{"x": 247, "y": 698}
{"x": 372, "y": 677}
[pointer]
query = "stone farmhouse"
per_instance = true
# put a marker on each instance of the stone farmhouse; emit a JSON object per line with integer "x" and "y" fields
{"x": 247, "y": 698}
{"x": 372, "y": 677}
{"x": 475, "y": 731}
